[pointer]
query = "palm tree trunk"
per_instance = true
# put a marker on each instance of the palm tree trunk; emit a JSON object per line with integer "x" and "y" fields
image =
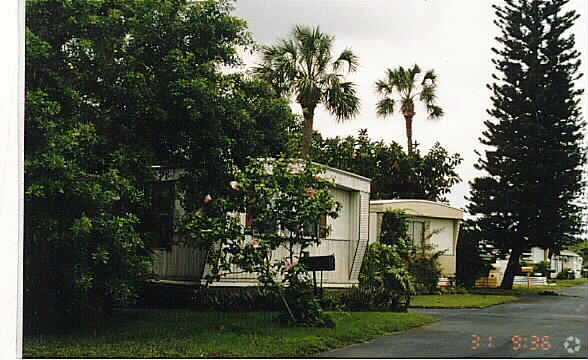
{"x": 308, "y": 113}
{"x": 408, "y": 120}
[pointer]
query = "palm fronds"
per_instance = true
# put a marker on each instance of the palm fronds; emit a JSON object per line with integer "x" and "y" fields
{"x": 403, "y": 84}
{"x": 304, "y": 67}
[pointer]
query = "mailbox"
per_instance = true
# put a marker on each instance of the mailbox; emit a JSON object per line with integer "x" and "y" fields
{"x": 318, "y": 263}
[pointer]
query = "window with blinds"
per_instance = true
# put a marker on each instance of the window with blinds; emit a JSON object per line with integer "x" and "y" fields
{"x": 416, "y": 233}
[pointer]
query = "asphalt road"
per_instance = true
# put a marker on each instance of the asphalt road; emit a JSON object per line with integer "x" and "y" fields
{"x": 536, "y": 327}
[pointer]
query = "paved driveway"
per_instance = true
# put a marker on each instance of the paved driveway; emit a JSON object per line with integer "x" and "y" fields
{"x": 536, "y": 327}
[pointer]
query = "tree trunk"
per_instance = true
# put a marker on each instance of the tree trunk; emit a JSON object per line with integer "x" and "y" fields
{"x": 308, "y": 113}
{"x": 511, "y": 269}
{"x": 38, "y": 313}
{"x": 408, "y": 120}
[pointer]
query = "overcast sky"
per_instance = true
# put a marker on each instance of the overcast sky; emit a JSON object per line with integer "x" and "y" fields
{"x": 453, "y": 37}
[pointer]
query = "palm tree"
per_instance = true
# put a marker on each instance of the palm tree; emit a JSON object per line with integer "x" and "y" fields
{"x": 303, "y": 66}
{"x": 405, "y": 84}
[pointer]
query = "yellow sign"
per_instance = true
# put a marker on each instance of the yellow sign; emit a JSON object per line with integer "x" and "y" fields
{"x": 527, "y": 269}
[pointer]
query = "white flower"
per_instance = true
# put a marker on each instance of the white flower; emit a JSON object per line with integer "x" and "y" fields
{"x": 235, "y": 185}
{"x": 207, "y": 198}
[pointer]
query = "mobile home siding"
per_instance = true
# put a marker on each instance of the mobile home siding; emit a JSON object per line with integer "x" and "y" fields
{"x": 441, "y": 226}
{"x": 347, "y": 241}
{"x": 179, "y": 263}
{"x": 358, "y": 254}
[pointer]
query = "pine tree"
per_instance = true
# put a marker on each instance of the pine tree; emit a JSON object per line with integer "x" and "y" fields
{"x": 534, "y": 153}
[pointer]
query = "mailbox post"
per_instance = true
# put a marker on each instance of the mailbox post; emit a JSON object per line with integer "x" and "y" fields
{"x": 318, "y": 263}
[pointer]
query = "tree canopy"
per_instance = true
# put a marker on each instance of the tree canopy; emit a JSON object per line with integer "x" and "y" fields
{"x": 112, "y": 88}
{"x": 394, "y": 174}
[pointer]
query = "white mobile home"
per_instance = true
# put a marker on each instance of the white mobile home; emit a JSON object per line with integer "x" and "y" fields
{"x": 566, "y": 260}
{"x": 535, "y": 255}
{"x": 430, "y": 223}
{"x": 347, "y": 240}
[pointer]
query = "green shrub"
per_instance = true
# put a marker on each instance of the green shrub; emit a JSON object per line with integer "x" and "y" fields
{"x": 303, "y": 307}
{"x": 565, "y": 274}
{"x": 455, "y": 290}
{"x": 358, "y": 299}
{"x": 155, "y": 295}
{"x": 331, "y": 301}
{"x": 393, "y": 263}
{"x": 373, "y": 299}
{"x": 542, "y": 267}
{"x": 385, "y": 283}
{"x": 426, "y": 270}
{"x": 548, "y": 293}
{"x": 394, "y": 229}
{"x": 384, "y": 268}
{"x": 235, "y": 300}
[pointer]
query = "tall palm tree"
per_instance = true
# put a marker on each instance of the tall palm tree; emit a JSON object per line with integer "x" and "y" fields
{"x": 304, "y": 67}
{"x": 404, "y": 83}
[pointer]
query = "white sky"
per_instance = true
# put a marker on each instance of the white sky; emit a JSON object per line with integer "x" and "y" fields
{"x": 453, "y": 37}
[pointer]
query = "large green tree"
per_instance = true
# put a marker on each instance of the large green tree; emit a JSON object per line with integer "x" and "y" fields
{"x": 394, "y": 174}
{"x": 304, "y": 66}
{"x": 112, "y": 88}
{"x": 404, "y": 86}
{"x": 534, "y": 150}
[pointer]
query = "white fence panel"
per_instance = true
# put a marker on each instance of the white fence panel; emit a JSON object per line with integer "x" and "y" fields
{"x": 535, "y": 280}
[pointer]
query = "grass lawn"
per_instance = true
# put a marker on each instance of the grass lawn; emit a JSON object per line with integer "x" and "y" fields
{"x": 569, "y": 283}
{"x": 459, "y": 301}
{"x": 516, "y": 291}
{"x": 187, "y": 334}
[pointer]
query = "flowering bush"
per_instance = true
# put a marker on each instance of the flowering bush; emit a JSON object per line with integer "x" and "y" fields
{"x": 284, "y": 200}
